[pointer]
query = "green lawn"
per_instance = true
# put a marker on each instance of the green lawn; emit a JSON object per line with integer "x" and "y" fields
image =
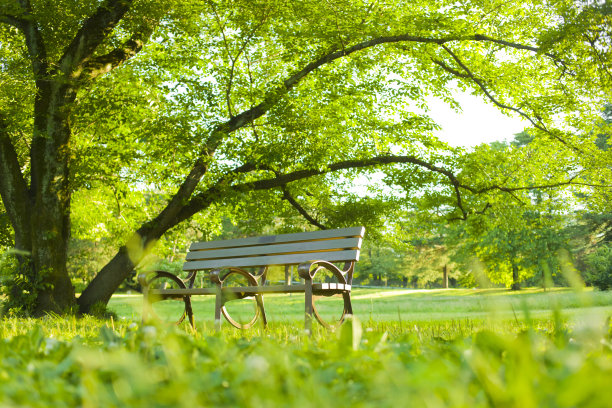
{"x": 395, "y": 305}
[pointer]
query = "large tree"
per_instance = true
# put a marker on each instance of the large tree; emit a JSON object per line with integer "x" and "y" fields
{"x": 215, "y": 103}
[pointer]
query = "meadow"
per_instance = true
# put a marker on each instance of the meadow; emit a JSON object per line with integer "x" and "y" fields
{"x": 400, "y": 307}
{"x": 435, "y": 348}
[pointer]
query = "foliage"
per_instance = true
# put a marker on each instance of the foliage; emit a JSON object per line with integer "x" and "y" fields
{"x": 518, "y": 237}
{"x": 513, "y": 247}
{"x": 6, "y": 233}
{"x": 380, "y": 265}
{"x": 17, "y": 285}
{"x": 599, "y": 267}
{"x": 86, "y": 258}
{"x": 430, "y": 255}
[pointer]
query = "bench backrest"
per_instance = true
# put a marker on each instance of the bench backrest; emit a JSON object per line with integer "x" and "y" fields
{"x": 338, "y": 245}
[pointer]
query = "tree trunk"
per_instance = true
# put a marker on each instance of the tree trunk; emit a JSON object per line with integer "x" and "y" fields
{"x": 516, "y": 284}
{"x": 51, "y": 232}
{"x": 445, "y": 276}
{"x": 288, "y": 274}
{"x": 52, "y": 193}
{"x": 547, "y": 281}
{"x": 40, "y": 213}
{"x": 106, "y": 282}
{"x": 41, "y": 239}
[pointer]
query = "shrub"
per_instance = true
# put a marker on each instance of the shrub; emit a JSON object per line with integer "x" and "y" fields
{"x": 599, "y": 268}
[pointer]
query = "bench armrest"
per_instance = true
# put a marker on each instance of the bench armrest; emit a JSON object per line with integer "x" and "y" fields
{"x": 307, "y": 271}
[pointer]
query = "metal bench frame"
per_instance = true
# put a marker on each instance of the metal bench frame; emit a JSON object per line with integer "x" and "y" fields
{"x": 313, "y": 252}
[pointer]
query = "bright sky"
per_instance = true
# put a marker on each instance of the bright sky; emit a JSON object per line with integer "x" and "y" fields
{"x": 478, "y": 123}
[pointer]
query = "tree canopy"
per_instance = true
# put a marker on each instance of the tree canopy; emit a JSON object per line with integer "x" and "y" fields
{"x": 268, "y": 107}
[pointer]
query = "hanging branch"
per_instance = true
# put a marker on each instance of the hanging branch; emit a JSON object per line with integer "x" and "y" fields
{"x": 537, "y": 122}
{"x": 287, "y": 196}
{"x": 224, "y": 186}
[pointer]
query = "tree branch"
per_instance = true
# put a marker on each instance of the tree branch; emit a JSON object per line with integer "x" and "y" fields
{"x": 174, "y": 212}
{"x": 479, "y": 212}
{"x": 228, "y": 89}
{"x": 274, "y": 95}
{"x": 270, "y": 98}
{"x": 103, "y": 64}
{"x": 537, "y": 124}
{"x": 287, "y": 196}
{"x": 34, "y": 41}
{"x": 91, "y": 34}
{"x": 234, "y": 58}
{"x": 449, "y": 69}
{"x": 602, "y": 63}
{"x": 484, "y": 89}
{"x": 11, "y": 20}
{"x": 536, "y": 187}
{"x": 204, "y": 199}
{"x": 480, "y": 37}
{"x": 13, "y": 189}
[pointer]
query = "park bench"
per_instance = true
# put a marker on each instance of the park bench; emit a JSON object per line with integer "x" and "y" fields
{"x": 249, "y": 259}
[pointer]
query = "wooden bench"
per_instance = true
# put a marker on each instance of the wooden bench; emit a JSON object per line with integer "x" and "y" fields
{"x": 249, "y": 260}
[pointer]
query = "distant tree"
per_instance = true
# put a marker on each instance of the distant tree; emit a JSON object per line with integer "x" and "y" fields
{"x": 520, "y": 236}
{"x": 522, "y": 139}
{"x": 431, "y": 265}
{"x": 591, "y": 229}
{"x": 513, "y": 245}
{"x": 379, "y": 265}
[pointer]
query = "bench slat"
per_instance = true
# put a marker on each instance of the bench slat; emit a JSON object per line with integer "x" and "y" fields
{"x": 283, "y": 238}
{"x": 211, "y": 291}
{"x": 182, "y": 292}
{"x": 300, "y": 247}
{"x": 334, "y": 256}
{"x": 297, "y": 288}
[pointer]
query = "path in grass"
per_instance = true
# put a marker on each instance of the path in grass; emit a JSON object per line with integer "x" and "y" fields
{"x": 401, "y": 305}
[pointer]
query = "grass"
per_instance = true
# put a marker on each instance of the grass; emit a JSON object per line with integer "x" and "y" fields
{"x": 446, "y": 348}
{"x": 382, "y": 305}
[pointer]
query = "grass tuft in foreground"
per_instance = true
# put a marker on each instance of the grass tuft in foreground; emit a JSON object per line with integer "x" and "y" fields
{"x": 94, "y": 363}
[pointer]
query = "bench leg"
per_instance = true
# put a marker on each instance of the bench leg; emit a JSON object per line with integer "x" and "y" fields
{"x": 189, "y": 310}
{"x": 260, "y": 305}
{"x": 348, "y": 307}
{"x": 218, "y": 306}
{"x": 308, "y": 306}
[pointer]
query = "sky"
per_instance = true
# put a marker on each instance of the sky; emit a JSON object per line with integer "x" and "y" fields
{"x": 478, "y": 123}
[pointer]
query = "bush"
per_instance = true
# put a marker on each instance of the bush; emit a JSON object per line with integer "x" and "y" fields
{"x": 18, "y": 286}
{"x": 599, "y": 268}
